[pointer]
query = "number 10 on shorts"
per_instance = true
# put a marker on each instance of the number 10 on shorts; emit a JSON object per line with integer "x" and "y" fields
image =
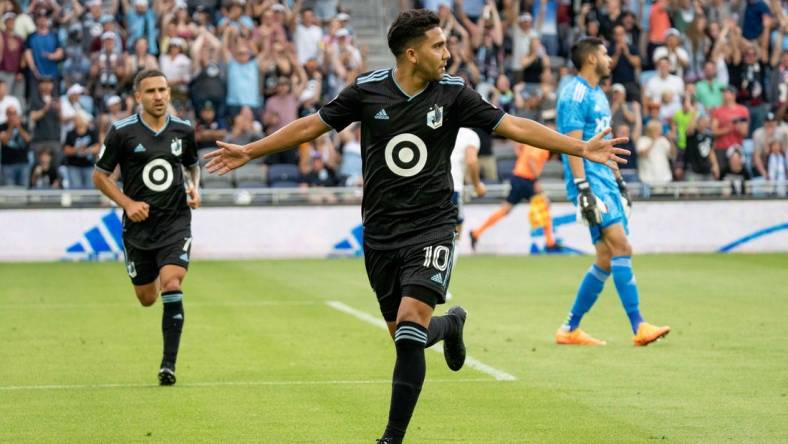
{"x": 438, "y": 257}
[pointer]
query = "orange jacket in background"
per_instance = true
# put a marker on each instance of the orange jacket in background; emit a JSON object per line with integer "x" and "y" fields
{"x": 527, "y": 154}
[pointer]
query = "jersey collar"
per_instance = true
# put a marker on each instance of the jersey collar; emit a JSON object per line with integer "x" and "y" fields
{"x": 585, "y": 82}
{"x": 155, "y": 133}
{"x": 410, "y": 97}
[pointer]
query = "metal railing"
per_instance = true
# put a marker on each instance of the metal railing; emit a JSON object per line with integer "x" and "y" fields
{"x": 11, "y": 198}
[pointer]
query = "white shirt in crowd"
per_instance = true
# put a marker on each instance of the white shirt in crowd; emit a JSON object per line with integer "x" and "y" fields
{"x": 465, "y": 138}
{"x": 178, "y": 68}
{"x": 7, "y": 102}
{"x": 307, "y": 42}
{"x": 653, "y": 164}
{"x": 657, "y": 85}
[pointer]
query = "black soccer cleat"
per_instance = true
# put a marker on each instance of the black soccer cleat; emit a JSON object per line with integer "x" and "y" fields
{"x": 388, "y": 440}
{"x": 474, "y": 239}
{"x": 166, "y": 376}
{"x": 454, "y": 348}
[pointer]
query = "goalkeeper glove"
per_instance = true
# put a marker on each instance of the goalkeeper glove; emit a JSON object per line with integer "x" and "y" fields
{"x": 626, "y": 201}
{"x": 589, "y": 207}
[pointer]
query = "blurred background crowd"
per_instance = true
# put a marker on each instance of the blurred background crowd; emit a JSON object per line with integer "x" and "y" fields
{"x": 699, "y": 86}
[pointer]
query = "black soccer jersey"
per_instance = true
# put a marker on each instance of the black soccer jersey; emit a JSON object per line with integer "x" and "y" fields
{"x": 406, "y": 145}
{"x": 151, "y": 168}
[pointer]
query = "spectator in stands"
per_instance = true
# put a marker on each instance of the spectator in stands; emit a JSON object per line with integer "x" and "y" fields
{"x": 141, "y": 24}
{"x": 177, "y": 67}
{"x": 673, "y": 51}
{"x": 779, "y": 82}
{"x": 15, "y": 141}
{"x": 79, "y": 152}
{"x": 771, "y": 131}
{"x": 307, "y": 33}
{"x": 45, "y": 115}
{"x": 755, "y": 13}
{"x": 70, "y": 105}
{"x": 735, "y": 171}
{"x": 43, "y": 50}
{"x": 700, "y": 163}
{"x": 679, "y": 125}
{"x": 623, "y": 112}
{"x": 350, "y": 169}
{"x": 12, "y": 49}
{"x": 320, "y": 174}
{"x": 658, "y": 25}
{"x": 113, "y": 112}
{"x": 140, "y": 59}
{"x": 535, "y": 62}
{"x": 778, "y": 164}
{"x": 748, "y": 75}
{"x": 44, "y": 174}
{"x": 76, "y": 65}
{"x": 663, "y": 82}
{"x": 234, "y": 17}
{"x": 654, "y": 153}
{"x": 243, "y": 74}
{"x": 7, "y": 101}
{"x": 208, "y": 129}
{"x": 625, "y": 61}
{"x": 108, "y": 67}
{"x": 244, "y": 128}
{"x": 709, "y": 90}
{"x": 522, "y": 34}
{"x": 729, "y": 125}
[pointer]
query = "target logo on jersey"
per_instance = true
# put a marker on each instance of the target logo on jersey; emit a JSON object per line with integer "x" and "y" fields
{"x": 406, "y": 154}
{"x": 157, "y": 175}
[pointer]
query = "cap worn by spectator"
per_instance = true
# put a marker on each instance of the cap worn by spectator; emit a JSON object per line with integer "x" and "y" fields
{"x": 771, "y": 117}
{"x": 75, "y": 89}
{"x": 106, "y": 18}
{"x": 343, "y": 17}
{"x": 45, "y": 79}
{"x": 8, "y": 16}
{"x": 617, "y": 87}
{"x": 93, "y": 3}
{"x": 181, "y": 4}
{"x": 525, "y": 18}
{"x": 108, "y": 35}
{"x": 278, "y": 8}
{"x": 342, "y": 32}
{"x": 731, "y": 88}
{"x": 113, "y": 100}
{"x": 208, "y": 105}
{"x": 734, "y": 149}
{"x": 141, "y": 3}
{"x": 672, "y": 32}
{"x": 177, "y": 42}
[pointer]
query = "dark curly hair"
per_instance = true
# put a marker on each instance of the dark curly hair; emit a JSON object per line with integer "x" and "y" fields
{"x": 410, "y": 25}
{"x": 582, "y": 48}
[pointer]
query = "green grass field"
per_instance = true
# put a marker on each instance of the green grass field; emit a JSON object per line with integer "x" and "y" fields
{"x": 265, "y": 359}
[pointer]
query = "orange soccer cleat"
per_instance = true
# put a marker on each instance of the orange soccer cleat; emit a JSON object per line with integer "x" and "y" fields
{"x": 648, "y": 333}
{"x": 575, "y": 337}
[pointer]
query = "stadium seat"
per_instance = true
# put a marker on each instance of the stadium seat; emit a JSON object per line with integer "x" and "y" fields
{"x": 284, "y": 184}
{"x": 505, "y": 167}
{"x": 250, "y": 176}
{"x": 282, "y": 172}
{"x": 215, "y": 181}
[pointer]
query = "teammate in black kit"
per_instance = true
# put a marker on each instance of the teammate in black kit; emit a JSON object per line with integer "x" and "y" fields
{"x": 152, "y": 147}
{"x": 410, "y": 116}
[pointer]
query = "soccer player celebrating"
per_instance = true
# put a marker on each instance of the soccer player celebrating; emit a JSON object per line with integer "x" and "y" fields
{"x": 152, "y": 147}
{"x": 601, "y": 198}
{"x": 410, "y": 116}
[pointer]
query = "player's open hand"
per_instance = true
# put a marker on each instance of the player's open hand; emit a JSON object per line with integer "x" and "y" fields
{"x": 137, "y": 211}
{"x": 480, "y": 190}
{"x": 193, "y": 197}
{"x": 227, "y": 158}
{"x": 604, "y": 151}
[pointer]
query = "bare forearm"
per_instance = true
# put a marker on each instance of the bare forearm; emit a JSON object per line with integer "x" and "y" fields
{"x": 532, "y": 133}
{"x": 194, "y": 173}
{"x": 473, "y": 170}
{"x": 295, "y": 133}
{"x": 108, "y": 187}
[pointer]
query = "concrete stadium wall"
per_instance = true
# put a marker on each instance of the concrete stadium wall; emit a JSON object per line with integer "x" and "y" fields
{"x": 282, "y": 232}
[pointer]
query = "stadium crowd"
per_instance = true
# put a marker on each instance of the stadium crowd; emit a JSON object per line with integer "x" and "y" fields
{"x": 699, "y": 86}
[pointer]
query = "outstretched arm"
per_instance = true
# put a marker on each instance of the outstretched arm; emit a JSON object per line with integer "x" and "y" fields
{"x": 229, "y": 157}
{"x": 532, "y": 133}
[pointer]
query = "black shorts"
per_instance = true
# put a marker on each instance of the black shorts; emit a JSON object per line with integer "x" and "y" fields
{"x": 143, "y": 265}
{"x": 420, "y": 271}
{"x": 521, "y": 189}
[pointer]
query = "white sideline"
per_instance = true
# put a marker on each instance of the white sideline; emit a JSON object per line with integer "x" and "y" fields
{"x": 475, "y": 364}
{"x": 9, "y": 388}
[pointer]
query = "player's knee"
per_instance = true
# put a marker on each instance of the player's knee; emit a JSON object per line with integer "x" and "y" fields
{"x": 621, "y": 247}
{"x": 146, "y": 298}
{"x": 173, "y": 284}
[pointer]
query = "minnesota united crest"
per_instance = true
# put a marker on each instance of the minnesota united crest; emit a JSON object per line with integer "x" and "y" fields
{"x": 435, "y": 117}
{"x": 176, "y": 146}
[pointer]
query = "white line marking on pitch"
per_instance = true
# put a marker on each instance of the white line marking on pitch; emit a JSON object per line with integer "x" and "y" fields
{"x": 475, "y": 364}
{"x": 223, "y": 384}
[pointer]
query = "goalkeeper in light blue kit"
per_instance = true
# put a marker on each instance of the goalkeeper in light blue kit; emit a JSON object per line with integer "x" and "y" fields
{"x": 601, "y": 198}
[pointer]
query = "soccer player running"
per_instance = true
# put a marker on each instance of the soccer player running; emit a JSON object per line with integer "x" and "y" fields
{"x": 410, "y": 116}
{"x": 152, "y": 147}
{"x": 601, "y": 196}
{"x": 524, "y": 186}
